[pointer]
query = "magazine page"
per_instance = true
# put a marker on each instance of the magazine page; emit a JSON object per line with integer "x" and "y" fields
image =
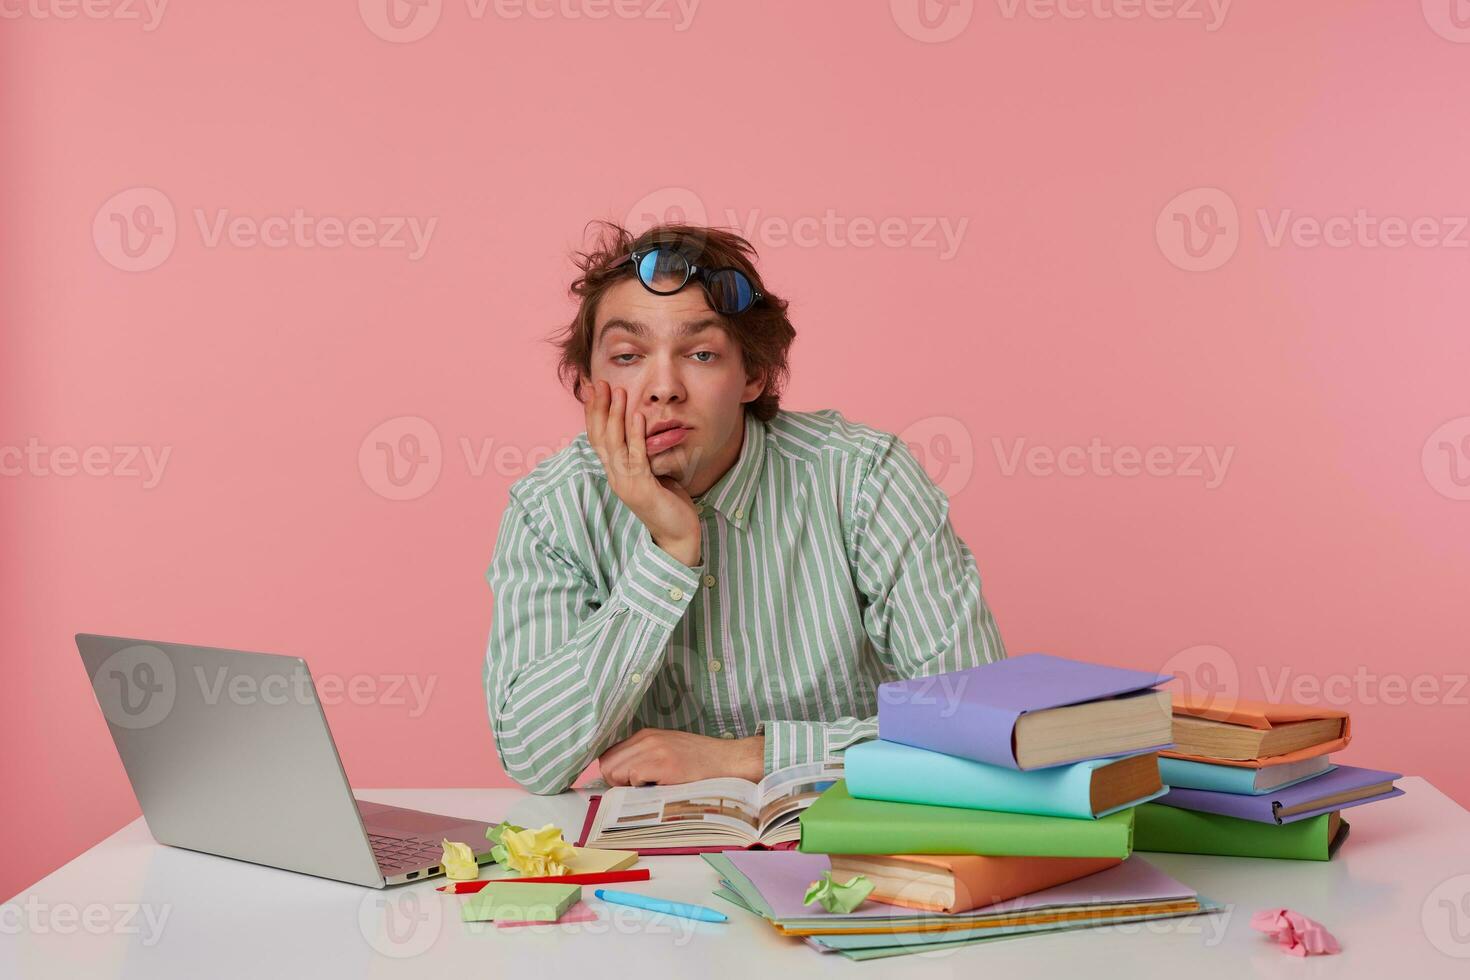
{"x": 680, "y": 806}
{"x": 783, "y": 794}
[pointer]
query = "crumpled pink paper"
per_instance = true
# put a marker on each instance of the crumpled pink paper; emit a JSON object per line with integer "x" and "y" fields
{"x": 1297, "y": 934}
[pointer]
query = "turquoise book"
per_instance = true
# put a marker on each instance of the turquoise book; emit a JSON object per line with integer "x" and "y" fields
{"x": 898, "y": 773}
{"x": 1241, "y": 780}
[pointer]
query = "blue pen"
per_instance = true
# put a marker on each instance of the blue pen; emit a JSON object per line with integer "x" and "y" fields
{"x": 659, "y": 905}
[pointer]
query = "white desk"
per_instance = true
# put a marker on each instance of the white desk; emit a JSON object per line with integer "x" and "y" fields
{"x": 1397, "y": 896}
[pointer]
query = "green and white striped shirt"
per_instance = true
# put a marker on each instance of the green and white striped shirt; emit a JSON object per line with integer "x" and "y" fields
{"x": 829, "y": 566}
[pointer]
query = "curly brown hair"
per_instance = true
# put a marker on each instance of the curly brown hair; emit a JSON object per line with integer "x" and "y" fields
{"x": 763, "y": 333}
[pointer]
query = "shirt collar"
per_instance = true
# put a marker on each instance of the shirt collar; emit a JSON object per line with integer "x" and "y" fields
{"x": 733, "y": 493}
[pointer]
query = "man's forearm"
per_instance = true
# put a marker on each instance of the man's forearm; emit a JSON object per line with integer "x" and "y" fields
{"x": 789, "y": 743}
{"x": 552, "y": 711}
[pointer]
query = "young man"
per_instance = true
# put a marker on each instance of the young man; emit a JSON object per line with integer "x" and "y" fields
{"x": 703, "y": 584}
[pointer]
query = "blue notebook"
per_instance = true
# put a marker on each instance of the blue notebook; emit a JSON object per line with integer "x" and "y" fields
{"x": 881, "y": 770}
{"x": 1241, "y": 780}
{"x": 1339, "y": 789}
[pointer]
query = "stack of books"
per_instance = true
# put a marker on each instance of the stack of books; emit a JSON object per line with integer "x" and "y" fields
{"x": 1252, "y": 779}
{"x": 996, "y": 798}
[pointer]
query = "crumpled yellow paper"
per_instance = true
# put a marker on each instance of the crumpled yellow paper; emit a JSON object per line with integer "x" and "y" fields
{"x": 536, "y": 852}
{"x": 841, "y": 898}
{"x": 493, "y": 835}
{"x": 459, "y": 862}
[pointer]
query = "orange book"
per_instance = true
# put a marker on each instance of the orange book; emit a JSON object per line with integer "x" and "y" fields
{"x": 1204, "y": 719}
{"x": 961, "y": 882}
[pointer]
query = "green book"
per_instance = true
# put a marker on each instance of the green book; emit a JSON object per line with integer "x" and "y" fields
{"x": 520, "y": 901}
{"x": 838, "y": 823}
{"x": 1171, "y": 828}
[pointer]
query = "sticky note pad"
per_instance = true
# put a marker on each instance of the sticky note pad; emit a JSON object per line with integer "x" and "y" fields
{"x": 592, "y": 860}
{"x": 520, "y": 901}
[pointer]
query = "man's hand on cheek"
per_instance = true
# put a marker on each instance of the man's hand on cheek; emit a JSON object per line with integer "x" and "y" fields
{"x": 663, "y": 756}
{"x": 615, "y": 431}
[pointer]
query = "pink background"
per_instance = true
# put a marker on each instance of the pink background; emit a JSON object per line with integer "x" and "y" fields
{"x": 1335, "y": 544}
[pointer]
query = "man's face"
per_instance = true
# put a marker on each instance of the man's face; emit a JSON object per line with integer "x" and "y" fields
{"x": 676, "y": 363}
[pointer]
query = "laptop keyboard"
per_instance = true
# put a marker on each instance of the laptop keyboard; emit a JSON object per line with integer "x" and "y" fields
{"x": 404, "y": 852}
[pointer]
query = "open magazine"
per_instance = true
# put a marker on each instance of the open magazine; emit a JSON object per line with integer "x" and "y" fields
{"x": 710, "y": 813}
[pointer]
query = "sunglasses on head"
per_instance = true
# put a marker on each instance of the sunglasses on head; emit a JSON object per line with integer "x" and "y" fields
{"x": 664, "y": 269}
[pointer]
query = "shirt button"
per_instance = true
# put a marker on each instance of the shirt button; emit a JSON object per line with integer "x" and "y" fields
{"x": 636, "y": 678}
{"x": 676, "y": 593}
{"x": 739, "y": 513}
{"x": 727, "y": 734}
{"x": 709, "y": 580}
{"x": 715, "y": 666}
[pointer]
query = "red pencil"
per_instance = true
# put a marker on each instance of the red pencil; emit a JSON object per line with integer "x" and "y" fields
{"x": 600, "y": 878}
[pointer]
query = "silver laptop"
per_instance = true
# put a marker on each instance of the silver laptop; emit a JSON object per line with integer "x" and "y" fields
{"x": 229, "y": 753}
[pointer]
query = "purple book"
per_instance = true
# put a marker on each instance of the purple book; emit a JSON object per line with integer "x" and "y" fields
{"x": 1268, "y": 807}
{"x": 972, "y": 713}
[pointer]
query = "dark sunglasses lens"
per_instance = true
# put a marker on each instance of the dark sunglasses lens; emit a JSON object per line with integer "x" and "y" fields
{"x": 730, "y": 291}
{"x": 663, "y": 270}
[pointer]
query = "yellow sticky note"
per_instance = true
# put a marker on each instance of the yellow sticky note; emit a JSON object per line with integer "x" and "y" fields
{"x": 459, "y": 862}
{"x": 594, "y": 860}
